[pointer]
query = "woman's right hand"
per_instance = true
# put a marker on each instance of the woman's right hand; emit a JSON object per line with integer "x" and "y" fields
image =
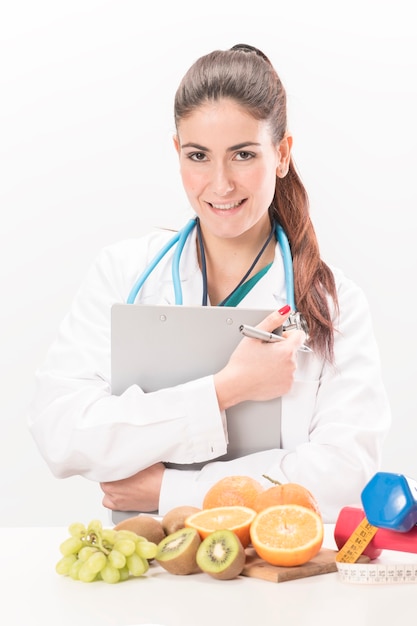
{"x": 258, "y": 370}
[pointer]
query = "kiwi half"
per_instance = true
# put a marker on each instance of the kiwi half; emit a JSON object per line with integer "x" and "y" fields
{"x": 177, "y": 552}
{"x": 221, "y": 555}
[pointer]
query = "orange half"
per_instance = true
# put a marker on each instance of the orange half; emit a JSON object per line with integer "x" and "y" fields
{"x": 287, "y": 534}
{"x": 235, "y": 518}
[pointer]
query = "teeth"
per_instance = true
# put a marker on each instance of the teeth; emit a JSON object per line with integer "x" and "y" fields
{"x": 225, "y": 207}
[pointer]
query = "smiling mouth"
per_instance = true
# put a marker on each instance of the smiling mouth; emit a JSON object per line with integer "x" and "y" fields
{"x": 226, "y": 207}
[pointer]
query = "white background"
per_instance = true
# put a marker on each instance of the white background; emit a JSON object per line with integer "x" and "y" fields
{"x": 86, "y": 158}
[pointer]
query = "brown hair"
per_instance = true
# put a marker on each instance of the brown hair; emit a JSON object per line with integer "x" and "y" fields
{"x": 246, "y": 75}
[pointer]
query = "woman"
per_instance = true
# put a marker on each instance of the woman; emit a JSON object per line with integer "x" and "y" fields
{"x": 234, "y": 150}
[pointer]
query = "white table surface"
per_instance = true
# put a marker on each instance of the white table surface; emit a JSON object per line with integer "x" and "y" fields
{"x": 33, "y": 594}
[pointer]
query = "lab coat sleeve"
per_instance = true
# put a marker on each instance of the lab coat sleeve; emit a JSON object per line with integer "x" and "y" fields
{"x": 80, "y": 427}
{"x": 334, "y": 423}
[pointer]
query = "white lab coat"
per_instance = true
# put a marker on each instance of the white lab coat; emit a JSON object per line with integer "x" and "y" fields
{"x": 334, "y": 419}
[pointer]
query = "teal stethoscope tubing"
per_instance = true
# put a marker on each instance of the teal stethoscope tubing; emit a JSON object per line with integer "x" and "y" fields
{"x": 181, "y": 237}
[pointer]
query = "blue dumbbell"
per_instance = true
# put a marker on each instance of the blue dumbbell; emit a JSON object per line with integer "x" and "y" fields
{"x": 390, "y": 501}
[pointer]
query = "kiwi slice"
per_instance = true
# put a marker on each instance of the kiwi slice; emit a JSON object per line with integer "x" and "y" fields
{"x": 174, "y": 519}
{"x": 177, "y": 552}
{"x": 221, "y": 555}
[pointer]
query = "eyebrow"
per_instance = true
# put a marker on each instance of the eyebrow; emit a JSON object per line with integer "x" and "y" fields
{"x": 238, "y": 146}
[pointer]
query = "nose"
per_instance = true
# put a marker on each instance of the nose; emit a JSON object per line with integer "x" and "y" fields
{"x": 222, "y": 181}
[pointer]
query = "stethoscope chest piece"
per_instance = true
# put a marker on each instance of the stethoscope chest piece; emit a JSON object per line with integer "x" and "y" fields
{"x": 296, "y": 321}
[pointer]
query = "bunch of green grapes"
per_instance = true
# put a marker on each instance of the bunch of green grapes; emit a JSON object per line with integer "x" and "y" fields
{"x": 96, "y": 553}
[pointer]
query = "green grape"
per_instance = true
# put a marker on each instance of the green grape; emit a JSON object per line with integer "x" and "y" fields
{"x": 116, "y": 559}
{"x": 86, "y": 552}
{"x": 64, "y": 565}
{"x": 126, "y": 534}
{"x": 110, "y": 574}
{"x": 95, "y": 526}
{"x": 77, "y": 530}
{"x": 124, "y": 573}
{"x": 74, "y": 569}
{"x": 137, "y": 566}
{"x": 96, "y": 562}
{"x": 109, "y": 536}
{"x": 72, "y": 545}
{"x": 146, "y": 549}
{"x": 85, "y": 574}
{"x": 125, "y": 546}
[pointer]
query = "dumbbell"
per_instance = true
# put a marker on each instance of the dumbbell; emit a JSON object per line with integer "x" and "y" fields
{"x": 389, "y": 503}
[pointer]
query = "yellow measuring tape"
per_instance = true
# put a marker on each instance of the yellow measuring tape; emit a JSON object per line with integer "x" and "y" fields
{"x": 370, "y": 573}
{"x": 357, "y": 542}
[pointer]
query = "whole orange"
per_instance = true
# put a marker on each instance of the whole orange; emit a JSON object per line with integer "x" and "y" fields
{"x": 286, "y": 493}
{"x": 233, "y": 491}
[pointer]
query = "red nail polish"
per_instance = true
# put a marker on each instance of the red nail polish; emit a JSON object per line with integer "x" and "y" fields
{"x": 285, "y": 309}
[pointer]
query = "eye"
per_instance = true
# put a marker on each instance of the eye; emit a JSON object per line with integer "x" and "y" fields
{"x": 243, "y": 155}
{"x": 197, "y": 156}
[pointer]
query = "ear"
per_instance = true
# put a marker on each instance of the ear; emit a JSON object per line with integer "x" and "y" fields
{"x": 284, "y": 154}
{"x": 176, "y": 143}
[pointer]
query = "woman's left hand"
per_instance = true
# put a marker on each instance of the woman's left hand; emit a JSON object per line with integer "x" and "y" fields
{"x": 139, "y": 492}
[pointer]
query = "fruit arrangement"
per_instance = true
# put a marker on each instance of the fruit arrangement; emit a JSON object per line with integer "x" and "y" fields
{"x": 282, "y": 524}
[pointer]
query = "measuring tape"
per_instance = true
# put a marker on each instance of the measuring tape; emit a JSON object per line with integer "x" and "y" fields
{"x": 377, "y": 573}
{"x": 357, "y": 542}
{"x": 389, "y": 506}
{"x": 352, "y": 571}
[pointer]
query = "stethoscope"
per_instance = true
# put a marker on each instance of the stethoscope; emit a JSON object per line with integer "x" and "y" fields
{"x": 181, "y": 237}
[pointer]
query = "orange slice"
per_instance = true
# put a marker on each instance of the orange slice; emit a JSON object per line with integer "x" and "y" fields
{"x": 235, "y": 518}
{"x": 287, "y": 534}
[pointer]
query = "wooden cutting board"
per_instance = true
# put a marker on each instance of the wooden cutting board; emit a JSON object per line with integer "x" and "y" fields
{"x": 323, "y": 563}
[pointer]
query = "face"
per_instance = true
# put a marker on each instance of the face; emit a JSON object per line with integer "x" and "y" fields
{"x": 228, "y": 167}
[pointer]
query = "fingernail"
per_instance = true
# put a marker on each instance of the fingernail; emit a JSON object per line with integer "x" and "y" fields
{"x": 285, "y": 309}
